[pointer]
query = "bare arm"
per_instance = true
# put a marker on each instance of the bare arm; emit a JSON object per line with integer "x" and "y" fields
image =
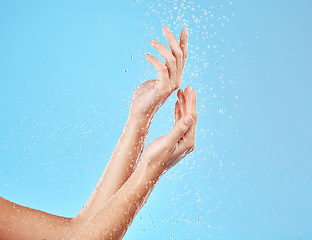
{"x": 113, "y": 220}
{"x": 18, "y": 222}
{"x": 34, "y": 224}
{"x": 146, "y": 101}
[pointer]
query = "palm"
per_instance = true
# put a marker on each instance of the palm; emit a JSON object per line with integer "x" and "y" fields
{"x": 160, "y": 149}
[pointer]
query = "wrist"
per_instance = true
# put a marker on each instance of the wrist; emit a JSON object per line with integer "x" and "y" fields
{"x": 151, "y": 170}
{"x": 139, "y": 122}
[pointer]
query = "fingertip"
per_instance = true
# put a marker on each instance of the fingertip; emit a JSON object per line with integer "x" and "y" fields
{"x": 149, "y": 58}
{"x": 166, "y": 30}
{"x": 189, "y": 88}
{"x": 153, "y": 42}
{"x": 185, "y": 31}
{"x": 184, "y": 35}
{"x": 193, "y": 96}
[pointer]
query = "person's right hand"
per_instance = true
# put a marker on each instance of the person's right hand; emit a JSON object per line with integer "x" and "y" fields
{"x": 152, "y": 94}
{"x": 166, "y": 151}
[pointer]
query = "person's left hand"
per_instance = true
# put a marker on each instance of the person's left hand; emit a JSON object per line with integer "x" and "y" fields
{"x": 152, "y": 94}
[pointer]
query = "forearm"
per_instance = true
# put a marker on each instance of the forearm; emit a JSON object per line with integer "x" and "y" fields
{"x": 114, "y": 218}
{"x": 21, "y": 222}
{"x": 120, "y": 166}
{"x": 18, "y": 222}
{"x": 126, "y": 153}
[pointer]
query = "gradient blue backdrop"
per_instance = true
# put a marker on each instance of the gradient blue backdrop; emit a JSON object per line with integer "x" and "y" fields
{"x": 67, "y": 73}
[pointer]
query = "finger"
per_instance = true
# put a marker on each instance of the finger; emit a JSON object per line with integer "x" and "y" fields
{"x": 188, "y": 103}
{"x": 167, "y": 55}
{"x": 177, "y": 112}
{"x": 193, "y": 114}
{"x": 159, "y": 66}
{"x": 188, "y": 99}
{"x": 177, "y": 53}
{"x": 183, "y": 45}
{"x": 180, "y": 91}
{"x": 180, "y": 129}
{"x": 182, "y": 102}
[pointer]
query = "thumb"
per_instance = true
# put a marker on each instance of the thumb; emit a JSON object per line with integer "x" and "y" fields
{"x": 180, "y": 128}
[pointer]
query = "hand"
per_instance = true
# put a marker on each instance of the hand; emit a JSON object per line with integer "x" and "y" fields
{"x": 168, "y": 150}
{"x": 149, "y": 97}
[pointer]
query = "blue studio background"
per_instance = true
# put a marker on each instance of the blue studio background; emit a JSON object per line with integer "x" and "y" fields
{"x": 68, "y": 70}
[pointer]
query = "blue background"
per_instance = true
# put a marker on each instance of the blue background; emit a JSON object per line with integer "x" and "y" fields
{"x": 68, "y": 70}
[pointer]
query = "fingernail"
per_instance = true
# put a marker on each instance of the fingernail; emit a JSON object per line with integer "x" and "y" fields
{"x": 188, "y": 120}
